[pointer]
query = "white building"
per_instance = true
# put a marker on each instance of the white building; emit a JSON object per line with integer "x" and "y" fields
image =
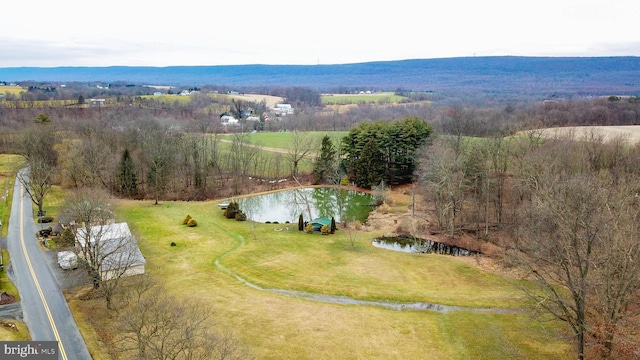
{"x": 283, "y": 109}
{"x": 115, "y": 249}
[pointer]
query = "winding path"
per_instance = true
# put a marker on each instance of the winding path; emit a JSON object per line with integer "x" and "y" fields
{"x": 344, "y": 300}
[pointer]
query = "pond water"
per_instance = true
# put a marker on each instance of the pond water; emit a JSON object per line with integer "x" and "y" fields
{"x": 415, "y": 245}
{"x": 287, "y": 205}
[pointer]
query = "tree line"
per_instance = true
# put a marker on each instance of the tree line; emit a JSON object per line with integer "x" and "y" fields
{"x": 568, "y": 210}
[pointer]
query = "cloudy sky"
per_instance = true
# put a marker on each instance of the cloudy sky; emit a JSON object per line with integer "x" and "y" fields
{"x": 160, "y": 33}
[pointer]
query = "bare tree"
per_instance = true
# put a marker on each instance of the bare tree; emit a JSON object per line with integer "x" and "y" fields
{"x": 109, "y": 250}
{"x": 442, "y": 178}
{"x": 37, "y": 147}
{"x": 579, "y": 240}
{"x": 301, "y": 147}
{"x": 37, "y": 181}
{"x": 352, "y": 227}
{"x": 154, "y": 325}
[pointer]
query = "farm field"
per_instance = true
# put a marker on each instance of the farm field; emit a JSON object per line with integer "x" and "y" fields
{"x": 258, "y": 98}
{"x": 283, "y": 140}
{"x": 210, "y": 260}
{"x": 14, "y": 90}
{"x": 377, "y": 98}
{"x": 632, "y": 132}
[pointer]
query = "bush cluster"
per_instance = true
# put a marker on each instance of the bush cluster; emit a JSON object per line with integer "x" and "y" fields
{"x": 233, "y": 212}
{"x": 189, "y": 221}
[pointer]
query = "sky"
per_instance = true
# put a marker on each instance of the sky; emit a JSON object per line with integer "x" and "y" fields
{"x": 47, "y": 33}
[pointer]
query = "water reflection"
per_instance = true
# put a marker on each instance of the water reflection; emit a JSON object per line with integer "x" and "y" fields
{"x": 327, "y": 202}
{"x": 420, "y": 246}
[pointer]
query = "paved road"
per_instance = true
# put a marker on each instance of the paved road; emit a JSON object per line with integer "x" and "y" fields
{"x": 45, "y": 309}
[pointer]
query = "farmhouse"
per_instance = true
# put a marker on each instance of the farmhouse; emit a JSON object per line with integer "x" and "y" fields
{"x": 97, "y": 102}
{"x": 229, "y": 120}
{"x": 283, "y": 109}
{"x": 116, "y": 249}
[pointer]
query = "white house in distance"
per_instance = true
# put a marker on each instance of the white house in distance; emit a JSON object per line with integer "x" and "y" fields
{"x": 283, "y": 109}
{"x": 116, "y": 249}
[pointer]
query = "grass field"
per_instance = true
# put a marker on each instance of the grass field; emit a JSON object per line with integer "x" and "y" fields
{"x": 14, "y": 90}
{"x": 632, "y": 132}
{"x": 9, "y": 165}
{"x": 377, "y": 98}
{"x": 208, "y": 258}
{"x": 168, "y": 99}
{"x": 283, "y": 140}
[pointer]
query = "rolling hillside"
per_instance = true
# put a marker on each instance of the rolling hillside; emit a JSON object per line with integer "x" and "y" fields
{"x": 504, "y": 74}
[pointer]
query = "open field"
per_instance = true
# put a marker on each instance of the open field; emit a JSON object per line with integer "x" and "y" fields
{"x": 377, "y": 98}
{"x": 283, "y": 140}
{"x": 210, "y": 259}
{"x": 14, "y": 90}
{"x": 258, "y": 98}
{"x": 168, "y": 99}
{"x": 632, "y": 132}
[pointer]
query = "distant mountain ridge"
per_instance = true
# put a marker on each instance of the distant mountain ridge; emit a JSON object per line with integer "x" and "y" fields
{"x": 568, "y": 75}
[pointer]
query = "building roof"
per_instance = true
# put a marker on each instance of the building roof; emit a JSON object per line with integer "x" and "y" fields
{"x": 116, "y": 243}
{"x": 321, "y": 221}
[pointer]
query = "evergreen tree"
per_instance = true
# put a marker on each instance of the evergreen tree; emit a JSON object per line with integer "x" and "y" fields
{"x": 397, "y": 143}
{"x": 324, "y": 167}
{"x": 300, "y": 223}
{"x": 369, "y": 167}
{"x": 128, "y": 178}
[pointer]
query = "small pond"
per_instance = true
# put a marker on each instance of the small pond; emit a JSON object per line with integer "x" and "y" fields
{"x": 287, "y": 205}
{"x": 415, "y": 245}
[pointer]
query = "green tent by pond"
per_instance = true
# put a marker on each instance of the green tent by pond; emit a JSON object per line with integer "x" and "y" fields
{"x": 317, "y": 223}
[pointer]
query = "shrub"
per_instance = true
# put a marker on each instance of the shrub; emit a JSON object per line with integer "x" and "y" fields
{"x": 173, "y": 244}
{"x": 275, "y": 222}
{"x": 300, "y": 223}
{"x": 404, "y": 228}
{"x": 45, "y": 219}
{"x": 232, "y": 210}
{"x": 186, "y": 220}
{"x": 384, "y": 208}
{"x": 67, "y": 238}
{"x": 333, "y": 225}
{"x": 192, "y": 223}
{"x": 324, "y": 230}
{"x": 309, "y": 228}
{"x": 240, "y": 216}
{"x": 267, "y": 222}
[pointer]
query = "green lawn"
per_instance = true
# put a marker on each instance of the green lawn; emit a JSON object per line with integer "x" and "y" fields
{"x": 277, "y": 162}
{"x": 9, "y": 166}
{"x": 209, "y": 258}
{"x": 282, "y": 140}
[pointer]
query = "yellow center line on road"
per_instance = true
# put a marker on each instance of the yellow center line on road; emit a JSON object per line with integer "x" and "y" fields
{"x": 35, "y": 280}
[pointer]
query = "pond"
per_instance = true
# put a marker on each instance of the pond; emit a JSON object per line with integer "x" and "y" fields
{"x": 287, "y": 205}
{"x": 415, "y": 245}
